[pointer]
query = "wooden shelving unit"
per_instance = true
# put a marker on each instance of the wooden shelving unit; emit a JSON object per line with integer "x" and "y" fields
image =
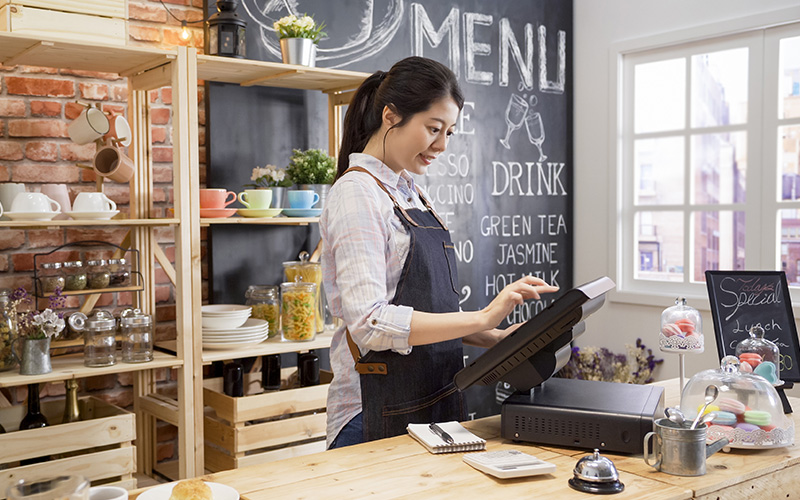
{"x": 261, "y": 221}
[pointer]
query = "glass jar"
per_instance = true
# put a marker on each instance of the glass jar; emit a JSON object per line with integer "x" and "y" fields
{"x": 263, "y": 299}
{"x": 52, "y": 277}
{"x": 74, "y": 276}
{"x": 120, "y": 272}
{"x": 749, "y": 410}
{"x": 7, "y": 332}
{"x": 137, "y": 336}
{"x": 98, "y": 274}
{"x": 760, "y": 356}
{"x": 311, "y": 272}
{"x": 298, "y": 315}
{"x": 681, "y": 329}
{"x": 99, "y": 343}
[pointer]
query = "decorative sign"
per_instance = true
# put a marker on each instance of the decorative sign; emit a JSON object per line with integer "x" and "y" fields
{"x": 743, "y": 299}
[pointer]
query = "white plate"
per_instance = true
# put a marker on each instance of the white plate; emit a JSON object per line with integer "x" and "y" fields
{"x": 247, "y": 326}
{"x": 227, "y": 335}
{"x": 235, "y": 338}
{"x": 92, "y": 215}
{"x": 31, "y": 215}
{"x": 163, "y": 491}
{"x": 232, "y": 345}
{"x": 224, "y": 309}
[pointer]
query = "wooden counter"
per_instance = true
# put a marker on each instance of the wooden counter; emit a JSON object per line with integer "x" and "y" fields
{"x": 399, "y": 467}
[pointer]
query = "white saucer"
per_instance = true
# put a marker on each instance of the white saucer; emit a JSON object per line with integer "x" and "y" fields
{"x": 259, "y": 212}
{"x": 93, "y": 215}
{"x": 31, "y": 215}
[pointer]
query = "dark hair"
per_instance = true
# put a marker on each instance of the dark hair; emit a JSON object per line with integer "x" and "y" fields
{"x": 410, "y": 87}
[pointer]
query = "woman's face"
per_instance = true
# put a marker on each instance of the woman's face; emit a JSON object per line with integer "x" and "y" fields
{"x": 422, "y": 138}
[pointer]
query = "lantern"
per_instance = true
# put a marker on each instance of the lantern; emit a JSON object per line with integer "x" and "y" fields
{"x": 226, "y": 31}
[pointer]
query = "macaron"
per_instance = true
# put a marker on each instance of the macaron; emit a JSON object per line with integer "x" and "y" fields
{"x": 753, "y": 358}
{"x": 709, "y": 409}
{"x": 731, "y": 405}
{"x": 686, "y": 325}
{"x": 747, "y": 427}
{"x": 768, "y": 427}
{"x": 757, "y": 417}
{"x": 745, "y": 367}
{"x": 768, "y": 370}
{"x": 725, "y": 418}
{"x": 670, "y": 330}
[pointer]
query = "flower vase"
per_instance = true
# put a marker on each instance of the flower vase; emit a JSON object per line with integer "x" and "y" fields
{"x": 320, "y": 189}
{"x": 299, "y": 51}
{"x": 35, "y": 357}
{"x": 277, "y": 196}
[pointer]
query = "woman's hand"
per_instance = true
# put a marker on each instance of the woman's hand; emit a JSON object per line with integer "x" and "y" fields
{"x": 525, "y": 288}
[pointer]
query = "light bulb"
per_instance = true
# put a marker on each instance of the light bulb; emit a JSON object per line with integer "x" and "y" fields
{"x": 184, "y": 31}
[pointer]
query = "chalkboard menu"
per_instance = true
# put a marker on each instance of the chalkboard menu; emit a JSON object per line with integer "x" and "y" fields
{"x": 743, "y": 299}
{"x": 504, "y": 185}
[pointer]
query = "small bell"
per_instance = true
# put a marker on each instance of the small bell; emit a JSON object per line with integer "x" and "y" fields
{"x": 596, "y": 474}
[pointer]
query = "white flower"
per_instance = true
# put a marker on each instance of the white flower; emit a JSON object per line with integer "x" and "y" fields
{"x": 306, "y": 22}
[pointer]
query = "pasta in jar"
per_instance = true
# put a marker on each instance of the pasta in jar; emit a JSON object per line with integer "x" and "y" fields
{"x": 309, "y": 272}
{"x": 299, "y": 311}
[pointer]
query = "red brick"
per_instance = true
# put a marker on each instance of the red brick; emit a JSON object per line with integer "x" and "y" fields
{"x": 162, "y": 154}
{"x": 49, "y": 87}
{"x": 144, "y": 12}
{"x": 144, "y": 33}
{"x": 201, "y": 116}
{"x": 91, "y": 74}
{"x": 12, "y": 107}
{"x": 45, "y": 108}
{"x": 22, "y": 262}
{"x": 45, "y": 173}
{"x": 10, "y": 150}
{"x": 5, "y": 174}
{"x": 153, "y": 96}
{"x": 12, "y": 238}
{"x": 197, "y": 3}
{"x": 41, "y": 151}
{"x": 75, "y": 152}
{"x": 118, "y": 93}
{"x": 164, "y": 313}
{"x": 94, "y": 91}
{"x": 38, "y": 69}
{"x": 162, "y": 173}
{"x": 125, "y": 299}
{"x": 72, "y": 110}
{"x": 88, "y": 175}
{"x": 177, "y": 2}
{"x": 201, "y": 136}
{"x": 16, "y": 281}
{"x": 159, "y": 134}
{"x": 112, "y": 235}
{"x": 39, "y": 238}
{"x": 158, "y": 194}
{"x": 2, "y": 128}
{"x": 102, "y": 382}
{"x": 162, "y": 293}
{"x": 120, "y": 193}
{"x": 166, "y": 95}
{"x": 165, "y": 450}
{"x": 3, "y": 263}
{"x": 37, "y": 128}
{"x": 160, "y": 116}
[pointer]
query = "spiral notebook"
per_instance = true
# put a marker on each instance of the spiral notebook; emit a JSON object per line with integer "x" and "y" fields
{"x": 463, "y": 439}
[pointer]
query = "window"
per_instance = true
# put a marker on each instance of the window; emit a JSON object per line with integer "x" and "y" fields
{"x": 709, "y": 160}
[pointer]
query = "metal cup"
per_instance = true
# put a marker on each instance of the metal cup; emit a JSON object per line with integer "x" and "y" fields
{"x": 678, "y": 450}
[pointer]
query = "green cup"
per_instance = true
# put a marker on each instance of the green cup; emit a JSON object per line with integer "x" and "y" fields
{"x": 257, "y": 199}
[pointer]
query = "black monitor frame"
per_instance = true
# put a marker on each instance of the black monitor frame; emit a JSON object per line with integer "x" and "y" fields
{"x": 541, "y": 346}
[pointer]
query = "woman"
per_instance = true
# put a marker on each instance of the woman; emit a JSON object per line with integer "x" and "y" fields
{"x": 389, "y": 264}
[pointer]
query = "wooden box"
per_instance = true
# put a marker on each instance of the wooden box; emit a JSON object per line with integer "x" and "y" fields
{"x": 260, "y": 428}
{"x": 99, "y": 447}
{"x": 105, "y": 8}
{"x": 33, "y": 21}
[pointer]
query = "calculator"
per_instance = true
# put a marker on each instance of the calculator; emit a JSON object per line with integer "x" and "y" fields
{"x": 508, "y": 463}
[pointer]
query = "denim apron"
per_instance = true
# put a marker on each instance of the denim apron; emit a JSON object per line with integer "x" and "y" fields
{"x": 399, "y": 389}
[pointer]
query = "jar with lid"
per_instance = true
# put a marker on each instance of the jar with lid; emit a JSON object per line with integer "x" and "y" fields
{"x": 311, "y": 272}
{"x": 263, "y": 299}
{"x": 681, "y": 329}
{"x": 749, "y": 410}
{"x": 98, "y": 274}
{"x": 298, "y": 315}
{"x": 760, "y": 356}
{"x": 137, "y": 336}
{"x": 7, "y": 332}
{"x": 120, "y": 272}
{"x": 74, "y": 276}
{"x": 99, "y": 343}
{"x": 52, "y": 277}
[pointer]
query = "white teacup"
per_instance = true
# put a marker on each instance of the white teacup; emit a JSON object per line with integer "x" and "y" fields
{"x": 107, "y": 493}
{"x": 9, "y": 191}
{"x": 34, "y": 202}
{"x": 93, "y": 202}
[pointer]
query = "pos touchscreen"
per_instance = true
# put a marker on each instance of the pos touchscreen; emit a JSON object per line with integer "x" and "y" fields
{"x": 541, "y": 346}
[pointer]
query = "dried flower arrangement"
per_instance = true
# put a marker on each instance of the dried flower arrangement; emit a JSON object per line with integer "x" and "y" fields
{"x": 599, "y": 363}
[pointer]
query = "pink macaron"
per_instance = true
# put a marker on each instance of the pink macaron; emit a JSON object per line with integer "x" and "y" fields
{"x": 671, "y": 329}
{"x": 731, "y": 405}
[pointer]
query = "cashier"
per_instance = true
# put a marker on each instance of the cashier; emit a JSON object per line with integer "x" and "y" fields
{"x": 389, "y": 266}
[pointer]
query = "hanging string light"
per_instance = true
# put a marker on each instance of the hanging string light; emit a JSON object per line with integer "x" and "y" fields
{"x": 185, "y": 33}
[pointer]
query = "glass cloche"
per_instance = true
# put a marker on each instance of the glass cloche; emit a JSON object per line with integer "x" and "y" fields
{"x": 759, "y": 356}
{"x": 749, "y": 411}
{"x": 681, "y": 329}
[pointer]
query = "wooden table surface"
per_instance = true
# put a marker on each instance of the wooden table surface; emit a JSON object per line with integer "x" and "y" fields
{"x": 400, "y": 468}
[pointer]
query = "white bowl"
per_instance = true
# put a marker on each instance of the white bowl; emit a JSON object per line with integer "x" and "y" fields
{"x": 223, "y": 323}
{"x": 225, "y": 309}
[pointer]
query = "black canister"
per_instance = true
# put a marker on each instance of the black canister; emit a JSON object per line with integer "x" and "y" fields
{"x": 233, "y": 379}
{"x": 308, "y": 369}
{"x": 271, "y": 372}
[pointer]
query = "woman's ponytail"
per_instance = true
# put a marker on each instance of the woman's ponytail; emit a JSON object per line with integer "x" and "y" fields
{"x": 360, "y": 121}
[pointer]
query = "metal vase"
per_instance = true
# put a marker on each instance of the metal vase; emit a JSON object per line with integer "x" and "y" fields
{"x": 278, "y": 194}
{"x": 300, "y": 51}
{"x": 320, "y": 189}
{"x": 35, "y": 358}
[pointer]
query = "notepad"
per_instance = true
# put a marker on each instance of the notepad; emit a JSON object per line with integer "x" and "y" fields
{"x": 463, "y": 439}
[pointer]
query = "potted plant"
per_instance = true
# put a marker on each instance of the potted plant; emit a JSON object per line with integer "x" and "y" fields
{"x": 273, "y": 178}
{"x": 312, "y": 169}
{"x": 299, "y": 37}
{"x": 35, "y": 329}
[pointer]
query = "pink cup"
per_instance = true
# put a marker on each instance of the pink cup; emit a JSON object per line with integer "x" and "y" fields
{"x": 216, "y": 198}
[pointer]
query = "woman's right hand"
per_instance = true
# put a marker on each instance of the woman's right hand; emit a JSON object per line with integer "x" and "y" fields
{"x": 514, "y": 294}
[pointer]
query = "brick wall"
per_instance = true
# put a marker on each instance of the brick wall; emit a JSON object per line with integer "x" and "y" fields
{"x": 36, "y": 106}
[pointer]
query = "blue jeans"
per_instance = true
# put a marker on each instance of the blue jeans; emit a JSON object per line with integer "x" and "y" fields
{"x": 352, "y": 433}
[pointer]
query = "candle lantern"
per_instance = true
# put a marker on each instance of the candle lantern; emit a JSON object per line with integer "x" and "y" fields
{"x": 225, "y": 31}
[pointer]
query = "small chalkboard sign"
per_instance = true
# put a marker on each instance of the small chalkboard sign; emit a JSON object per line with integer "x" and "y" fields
{"x": 743, "y": 299}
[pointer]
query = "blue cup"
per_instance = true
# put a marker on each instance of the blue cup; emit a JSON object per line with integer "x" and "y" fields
{"x": 302, "y": 198}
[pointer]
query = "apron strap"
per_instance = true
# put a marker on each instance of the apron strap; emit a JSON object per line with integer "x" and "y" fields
{"x": 380, "y": 184}
{"x": 431, "y": 210}
{"x": 361, "y": 367}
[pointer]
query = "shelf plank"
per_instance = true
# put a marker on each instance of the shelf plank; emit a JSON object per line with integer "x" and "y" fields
{"x": 272, "y": 74}
{"x": 271, "y": 346}
{"x": 40, "y": 224}
{"x": 55, "y": 53}
{"x": 264, "y": 221}
{"x": 71, "y": 367}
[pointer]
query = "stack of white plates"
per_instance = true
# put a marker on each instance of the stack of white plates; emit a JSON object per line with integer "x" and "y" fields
{"x": 219, "y": 316}
{"x": 230, "y": 327}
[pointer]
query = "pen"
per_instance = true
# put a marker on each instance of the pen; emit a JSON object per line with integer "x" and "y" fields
{"x": 447, "y": 438}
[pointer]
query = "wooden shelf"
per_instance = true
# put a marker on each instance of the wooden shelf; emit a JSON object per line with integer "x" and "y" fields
{"x": 263, "y": 221}
{"x": 71, "y": 367}
{"x": 271, "y": 346}
{"x": 90, "y": 291}
{"x": 247, "y": 72}
{"x": 54, "y": 53}
{"x": 39, "y": 224}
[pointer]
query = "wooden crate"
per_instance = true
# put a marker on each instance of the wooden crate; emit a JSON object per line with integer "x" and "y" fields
{"x": 105, "y": 8}
{"x": 265, "y": 427}
{"x": 50, "y": 24}
{"x": 98, "y": 447}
